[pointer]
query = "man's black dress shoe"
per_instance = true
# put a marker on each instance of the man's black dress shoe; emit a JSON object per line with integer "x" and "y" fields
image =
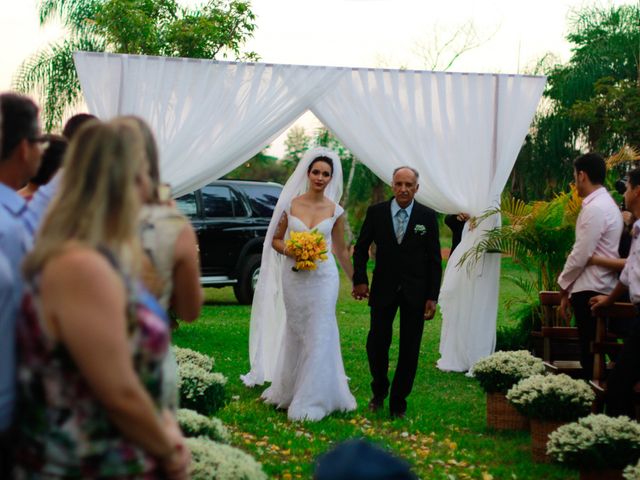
{"x": 376, "y": 404}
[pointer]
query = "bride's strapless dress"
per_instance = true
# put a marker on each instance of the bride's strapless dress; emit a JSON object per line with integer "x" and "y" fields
{"x": 309, "y": 379}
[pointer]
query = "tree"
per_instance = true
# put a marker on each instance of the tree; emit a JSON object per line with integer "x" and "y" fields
{"x": 592, "y": 101}
{"x": 296, "y": 143}
{"x": 445, "y": 46}
{"x": 263, "y": 168}
{"x": 149, "y": 27}
{"x": 603, "y": 70}
{"x": 361, "y": 186}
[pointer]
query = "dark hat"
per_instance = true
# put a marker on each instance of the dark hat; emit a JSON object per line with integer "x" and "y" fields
{"x": 358, "y": 459}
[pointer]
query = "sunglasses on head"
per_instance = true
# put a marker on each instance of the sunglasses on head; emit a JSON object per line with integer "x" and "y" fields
{"x": 43, "y": 140}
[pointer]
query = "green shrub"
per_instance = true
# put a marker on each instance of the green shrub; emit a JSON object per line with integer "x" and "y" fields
{"x": 596, "y": 442}
{"x": 195, "y": 425}
{"x": 632, "y": 472}
{"x": 216, "y": 461}
{"x": 502, "y": 370}
{"x": 186, "y": 355}
{"x": 200, "y": 390}
{"x": 552, "y": 397}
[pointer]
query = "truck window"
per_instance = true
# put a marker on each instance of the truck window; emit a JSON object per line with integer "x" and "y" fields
{"x": 263, "y": 198}
{"x": 216, "y": 201}
{"x": 187, "y": 205}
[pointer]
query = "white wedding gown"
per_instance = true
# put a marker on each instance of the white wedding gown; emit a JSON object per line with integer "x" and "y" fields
{"x": 309, "y": 378}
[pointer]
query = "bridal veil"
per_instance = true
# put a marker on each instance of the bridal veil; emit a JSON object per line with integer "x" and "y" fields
{"x": 268, "y": 315}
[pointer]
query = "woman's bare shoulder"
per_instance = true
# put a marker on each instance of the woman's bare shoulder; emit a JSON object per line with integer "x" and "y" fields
{"x": 77, "y": 263}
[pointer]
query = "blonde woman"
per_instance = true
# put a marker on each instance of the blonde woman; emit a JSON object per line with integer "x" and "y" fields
{"x": 171, "y": 268}
{"x": 90, "y": 351}
{"x": 170, "y": 243}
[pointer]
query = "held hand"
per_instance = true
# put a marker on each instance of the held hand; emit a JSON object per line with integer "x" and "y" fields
{"x": 600, "y": 301}
{"x": 360, "y": 291}
{"x": 429, "y": 309}
{"x": 175, "y": 465}
{"x": 565, "y": 307}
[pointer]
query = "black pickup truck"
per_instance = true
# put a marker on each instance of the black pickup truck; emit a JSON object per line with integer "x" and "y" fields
{"x": 230, "y": 218}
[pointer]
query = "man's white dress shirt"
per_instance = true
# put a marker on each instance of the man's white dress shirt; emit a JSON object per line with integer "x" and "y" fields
{"x": 598, "y": 231}
{"x": 630, "y": 275}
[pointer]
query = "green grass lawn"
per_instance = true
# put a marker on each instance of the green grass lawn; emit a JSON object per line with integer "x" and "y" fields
{"x": 443, "y": 436}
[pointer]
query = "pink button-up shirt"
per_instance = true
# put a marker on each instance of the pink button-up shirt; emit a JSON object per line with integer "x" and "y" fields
{"x": 630, "y": 275}
{"x": 598, "y": 231}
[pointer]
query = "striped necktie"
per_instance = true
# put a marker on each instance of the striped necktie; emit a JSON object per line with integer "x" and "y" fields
{"x": 401, "y": 224}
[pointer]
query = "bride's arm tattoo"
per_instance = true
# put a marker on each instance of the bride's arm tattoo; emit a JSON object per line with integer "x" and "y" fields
{"x": 278, "y": 243}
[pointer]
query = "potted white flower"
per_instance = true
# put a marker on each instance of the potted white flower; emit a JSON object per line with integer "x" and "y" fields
{"x": 598, "y": 445}
{"x": 194, "y": 424}
{"x": 212, "y": 460}
{"x": 496, "y": 374}
{"x": 632, "y": 472}
{"x": 550, "y": 401}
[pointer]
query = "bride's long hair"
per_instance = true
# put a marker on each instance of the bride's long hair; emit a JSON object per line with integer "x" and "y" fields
{"x": 267, "y": 312}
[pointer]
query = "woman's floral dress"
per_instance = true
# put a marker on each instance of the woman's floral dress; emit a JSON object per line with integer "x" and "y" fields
{"x": 64, "y": 431}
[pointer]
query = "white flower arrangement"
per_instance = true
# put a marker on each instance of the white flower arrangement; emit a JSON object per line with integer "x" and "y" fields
{"x": 195, "y": 425}
{"x": 186, "y": 355}
{"x": 502, "y": 370}
{"x": 552, "y": 397}
{"x": 596, "y": 442}
{"x": 632, "y": 472}
{"x": 201, "y": 390}
{"x": 211, "y": 460}
{"x": 420, "y": 229}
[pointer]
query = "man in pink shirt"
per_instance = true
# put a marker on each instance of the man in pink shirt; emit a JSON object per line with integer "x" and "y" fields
{"x": 598, "y": 231}
{"x": 626, "y": 372}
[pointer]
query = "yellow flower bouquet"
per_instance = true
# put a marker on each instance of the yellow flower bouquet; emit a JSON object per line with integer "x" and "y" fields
{"x": 307, "y": 248}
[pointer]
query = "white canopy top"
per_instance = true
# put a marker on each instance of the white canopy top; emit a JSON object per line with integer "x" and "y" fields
{"x": 461, "y": 131}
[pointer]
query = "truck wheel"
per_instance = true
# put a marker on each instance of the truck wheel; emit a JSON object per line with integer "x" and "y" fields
{"x": 247, "y": 279}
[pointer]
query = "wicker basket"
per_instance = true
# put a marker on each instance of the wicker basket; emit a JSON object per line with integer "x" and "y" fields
{"x": 610, "y": 474}
{"x": 501, "y": 415}
{"x": 540, "y": 430}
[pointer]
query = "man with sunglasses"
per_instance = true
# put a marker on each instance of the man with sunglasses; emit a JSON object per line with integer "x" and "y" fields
{"x": 21, "y": 148}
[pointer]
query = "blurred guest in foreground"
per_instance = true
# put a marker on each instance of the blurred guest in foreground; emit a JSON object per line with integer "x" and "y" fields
{"x": 51, "y": 161}
{"x": 20, "y": 153}
{"x": 171, "y": 269}
{"x": 360, "y": 460}
{"x": 90, "y": 350}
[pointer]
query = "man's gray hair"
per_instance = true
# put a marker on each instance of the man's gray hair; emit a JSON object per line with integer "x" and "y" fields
{"x": 415, "y": 172}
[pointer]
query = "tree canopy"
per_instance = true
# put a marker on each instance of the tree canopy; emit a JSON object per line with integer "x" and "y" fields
{"x": 592, "y": 102}
{"x": 214, "y": 29}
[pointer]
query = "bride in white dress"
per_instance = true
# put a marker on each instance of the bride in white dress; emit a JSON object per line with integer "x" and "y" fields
{"x": 294, "y": 339}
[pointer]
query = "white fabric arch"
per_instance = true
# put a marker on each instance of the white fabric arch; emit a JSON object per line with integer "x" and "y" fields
{"x": 461, "y": 131}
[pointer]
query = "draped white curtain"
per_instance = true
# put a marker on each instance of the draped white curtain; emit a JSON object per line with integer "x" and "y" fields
{"x": 208, "y": 117}
{"x": 462, "y": 132}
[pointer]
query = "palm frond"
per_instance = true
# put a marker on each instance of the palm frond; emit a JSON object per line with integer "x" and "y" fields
{"x": 525, "y": 284}
{"x": 573, "y": 206}
{"x": 624, "y": 155}
{"x": 51, "y": 75}
{"x": 497, "y": 240}
{"x": 76, "y": 15}
{"x": 514, "y": 210}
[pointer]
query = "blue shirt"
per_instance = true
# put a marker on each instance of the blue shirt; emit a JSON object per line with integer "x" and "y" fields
{"x": 395, "y": 208}
{"x": 18, "y": 222}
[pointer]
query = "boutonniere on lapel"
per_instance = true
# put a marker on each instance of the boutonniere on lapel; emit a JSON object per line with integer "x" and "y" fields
{"x": 420, "y": 229}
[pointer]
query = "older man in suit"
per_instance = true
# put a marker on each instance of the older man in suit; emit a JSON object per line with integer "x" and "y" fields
{"x": 406, "y": 277}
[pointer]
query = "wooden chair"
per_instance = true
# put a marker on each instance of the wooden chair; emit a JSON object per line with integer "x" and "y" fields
{"x": 560, "y": 342}
{"x": 607, "y": 343}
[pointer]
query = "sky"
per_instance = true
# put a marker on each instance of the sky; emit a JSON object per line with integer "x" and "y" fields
{"x": 360, "y": 33}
